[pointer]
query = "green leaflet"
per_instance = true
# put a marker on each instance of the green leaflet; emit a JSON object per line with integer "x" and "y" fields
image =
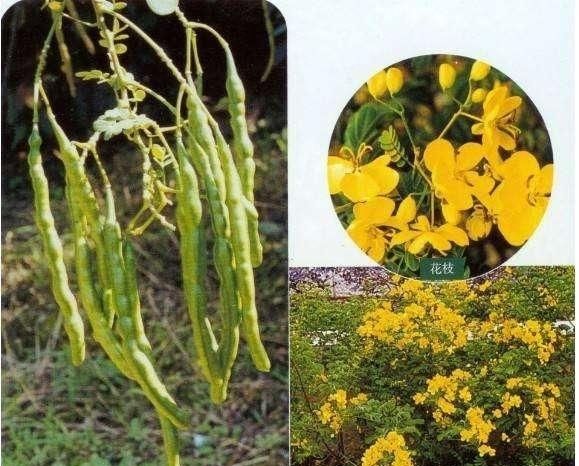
{"x": 391, "y": 145}
{"x": 116, "y": 120}
{"x": 365, "y": 124}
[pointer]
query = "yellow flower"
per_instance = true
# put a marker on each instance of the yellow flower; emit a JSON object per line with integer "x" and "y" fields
{"x": 378, "y": 84}
{"x": 419, "y": 398}
{"x": 530, "y": 425}
{"x": 495, "y": 128}
{"x": 359, "y": 399}
{"x": 357, "y": 181}
{"x": 497, "y": 413}
{"x": 340, "y": 398}
{"x": 479, "y": 70}
{"x": 445, "y": 406}
{"x": 522, "y": 196}
{"x": 392, "y": 446}
{"x": 421, "y": 234}
{"x": 375, "y": 213}
{"x": 486, "y": 450}
{"x": 479, "y": 95}
{"x": 452, "y": 175}
{"x": 465, "y": 394}
{"x": 446, "y": 76}
{"x": 394, "y": 80}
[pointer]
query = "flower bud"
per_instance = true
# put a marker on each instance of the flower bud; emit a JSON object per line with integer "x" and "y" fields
{"x": 479, "y": 70}
{"x": 478, "y": 225}
{"x": 479, "y": 95}
{"x": 394, "y": 80}
{"x": 446, "y": 76}
{"x": 377, "y": 84}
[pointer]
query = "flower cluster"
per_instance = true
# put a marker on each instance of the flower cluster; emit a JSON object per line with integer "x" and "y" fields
{"x": 430, "y": 324}
{"x": 463, "y": 189}
{"x": 389, "y": 450}
{"x": 537, "y": 336}
{"x": 444, "y": 391}
{"x": 333, "y": 411}
{"x": 442, "y": 330}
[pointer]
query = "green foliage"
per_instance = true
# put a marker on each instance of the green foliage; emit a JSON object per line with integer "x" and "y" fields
{"x": 363, "y": 126}
{"x": 328, "y": 355}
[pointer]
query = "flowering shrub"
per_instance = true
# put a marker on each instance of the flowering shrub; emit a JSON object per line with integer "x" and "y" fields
{"x": 469, "y": 373}
{"x": 411, "y": 181}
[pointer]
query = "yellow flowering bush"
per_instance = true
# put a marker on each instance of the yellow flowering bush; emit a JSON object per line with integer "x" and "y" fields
{"x": 468, "y": 174}
{"x": 476, "y": 372}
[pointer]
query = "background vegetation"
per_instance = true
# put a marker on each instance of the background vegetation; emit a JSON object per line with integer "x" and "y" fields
{"x": 329, "y": 355}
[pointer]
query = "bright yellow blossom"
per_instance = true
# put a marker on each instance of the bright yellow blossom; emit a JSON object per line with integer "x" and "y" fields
{"x": 453, "y": 176}
{"x": 421, "y": 234}
{"x": 358, "y": 181}
{"x": 495, "y": 128}
{"x": 370, "y": 219}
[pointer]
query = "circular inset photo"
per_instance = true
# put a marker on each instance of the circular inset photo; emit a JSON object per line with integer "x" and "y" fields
{"x": 440, "y": 167}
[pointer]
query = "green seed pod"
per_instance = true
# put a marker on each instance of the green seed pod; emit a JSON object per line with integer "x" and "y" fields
{"x": 137, "y": 359}
{"x": 133, "y": 293}
{"x": 242, "y": 253}
{"x": 53, "y": 251}
{"x": 242, "y": 149}
{"x": 189, "y": 215}
{"x": 89, "y": 298}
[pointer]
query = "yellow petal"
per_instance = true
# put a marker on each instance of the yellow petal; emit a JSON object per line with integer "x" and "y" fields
{"x": 454, "y": 234}
{"x": 403, "y": 237}
{"x": 359, "y": 187}
{"x": 375, "y": 211}
{"x": 377, "y": 249}
{"x": 439, "y": 155}
{"x": 450, "y": 214}
{"x": 360, "y": 234}
{"x": 407, "y": 210}
{"x": 494, "y": 99}
{"x": 517, "y": 228}
{"x": 469, "y": 155}
{"x": 454, "y": 191}
{"x": 492, "y": 155}
{"x": 521, "y": 165}
{"x": 386, "y": 178}
{"x": 504, "y": 139}
{"x": 509, "y": 105}
{"x": 437, "y": 241}
{"x": 337, "y": 168}
{"x": 481, "y": 184}
{"x": 545, "y": 180}
{"x": 422, "y": 223}
{"x": 377, "y": 84}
